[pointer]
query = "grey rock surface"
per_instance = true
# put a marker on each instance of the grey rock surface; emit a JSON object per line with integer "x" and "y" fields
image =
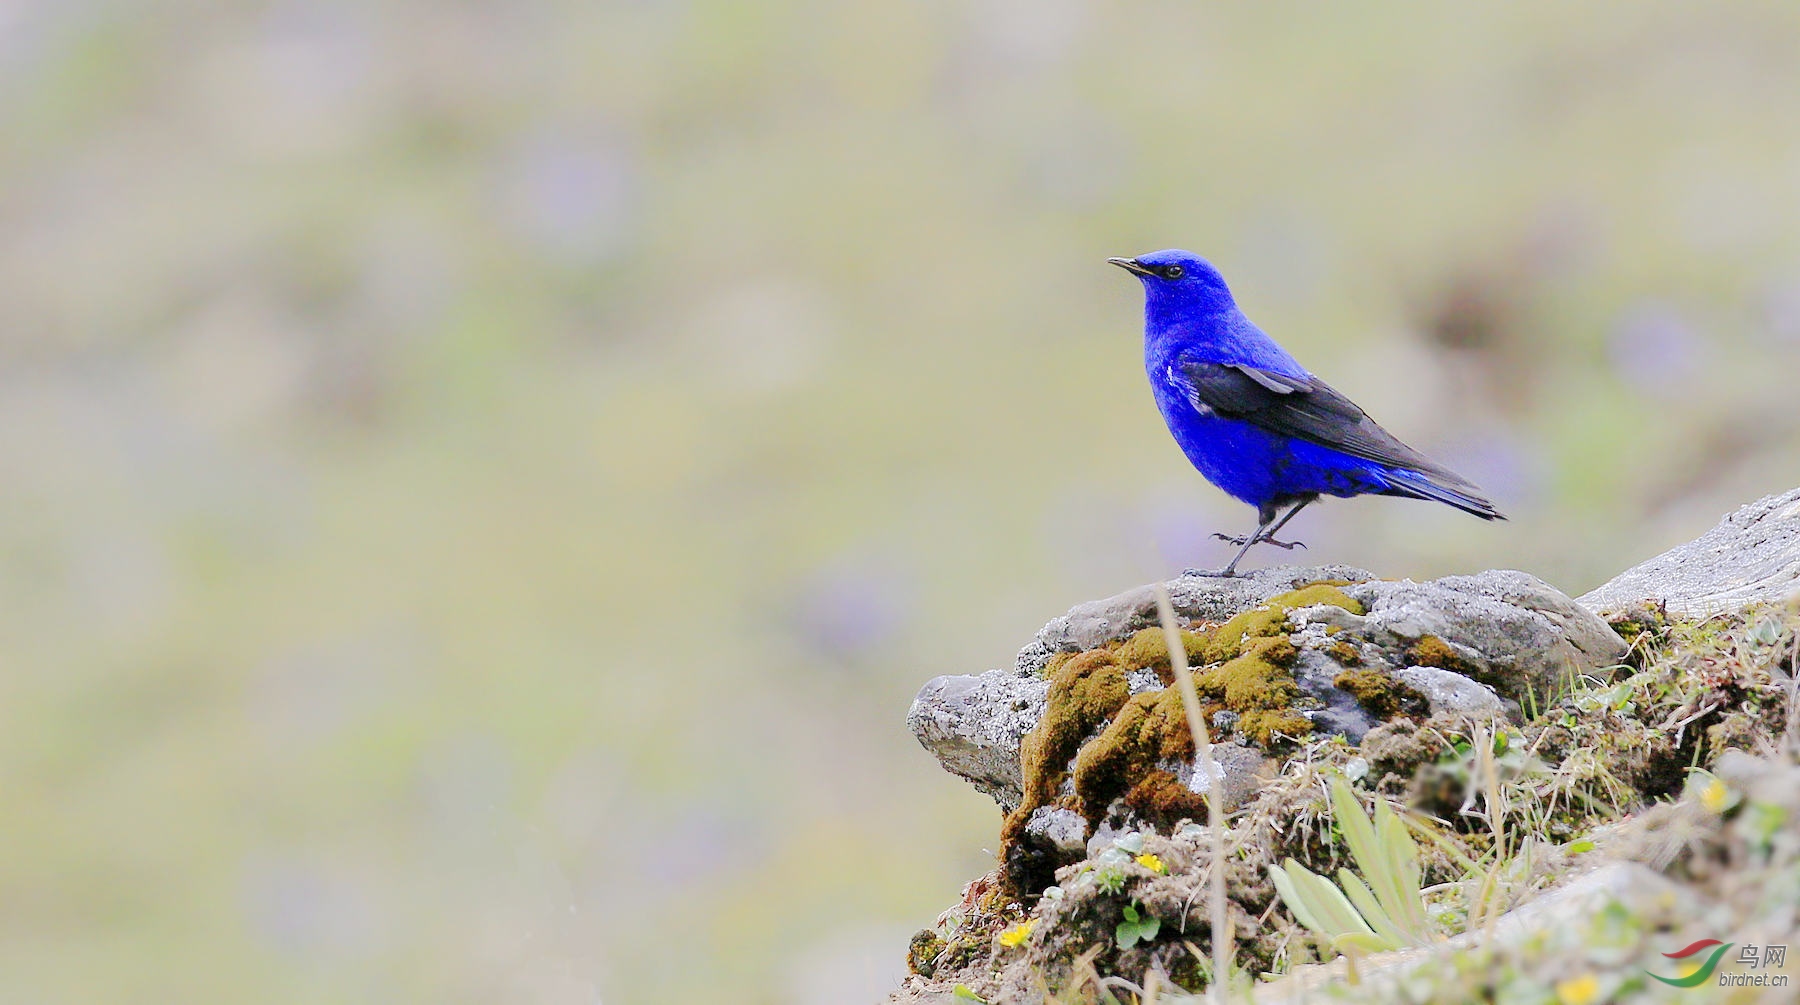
{"x": 1314, "y": 671}
{"x": 973, "y": 724}
{"x": 1239, "y": 770}
{"x": 1064, "y": 830}
{"x": 1451, "y": 692}
{"x": 1752, "y": 555}
{"x": 1511, "y": 627}
{"x": 1209, "y": 599}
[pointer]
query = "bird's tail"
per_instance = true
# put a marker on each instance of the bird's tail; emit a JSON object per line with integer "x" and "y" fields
{"x": 1442, "y": 486}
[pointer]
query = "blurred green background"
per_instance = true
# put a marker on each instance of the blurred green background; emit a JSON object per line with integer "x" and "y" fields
{"x": 483, "y": 481}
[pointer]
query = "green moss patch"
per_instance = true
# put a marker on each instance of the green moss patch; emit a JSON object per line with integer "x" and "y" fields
{"x": 1087, "y": 690}
{"x": 1097, "y": 743}
{"x": 1642, "y": 620}
{"x": 1256, "y": 680}
{"x": 1151, "y": 727}
{"x": 923, "y": 951}
{"x": 1382, "y": 696}
{"x": 1431, "y": 651}
{"x": 1326, "y": 592}
{"x": 1149, "y": 650}
{"x": 1228, "y": 640}
{"x": 1345, "y": 653}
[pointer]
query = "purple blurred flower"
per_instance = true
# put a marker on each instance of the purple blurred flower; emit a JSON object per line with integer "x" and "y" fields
{"x": 573, "y": 198}
{"x": 1653, "y": 347}
{"x": 852, "y": 605}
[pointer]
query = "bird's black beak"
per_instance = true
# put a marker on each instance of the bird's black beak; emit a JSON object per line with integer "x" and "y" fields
{"x": 1131, "y": 265}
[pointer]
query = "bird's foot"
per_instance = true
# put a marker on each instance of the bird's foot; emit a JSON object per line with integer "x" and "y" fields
{"x": 1226, "y": 573}
{"x": 1240, "y": 540}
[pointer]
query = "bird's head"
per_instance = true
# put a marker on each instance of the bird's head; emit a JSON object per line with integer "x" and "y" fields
{"x": 1178, "y": 280}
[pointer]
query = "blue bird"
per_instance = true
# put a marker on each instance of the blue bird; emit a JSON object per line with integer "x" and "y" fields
{"x": 1254, "y": 421}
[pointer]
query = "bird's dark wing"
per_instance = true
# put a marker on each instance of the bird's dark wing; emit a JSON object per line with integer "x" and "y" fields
{"x": 1305, "y": 408}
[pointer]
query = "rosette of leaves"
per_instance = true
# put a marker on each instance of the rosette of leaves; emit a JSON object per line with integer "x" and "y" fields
{"x": 1382, "y": 909}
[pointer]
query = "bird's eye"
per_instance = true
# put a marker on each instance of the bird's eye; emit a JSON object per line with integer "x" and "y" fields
{"x": 1174, "y": 272}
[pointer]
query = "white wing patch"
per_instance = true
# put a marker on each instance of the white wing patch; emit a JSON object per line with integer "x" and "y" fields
{"x": 1188, "y": 390}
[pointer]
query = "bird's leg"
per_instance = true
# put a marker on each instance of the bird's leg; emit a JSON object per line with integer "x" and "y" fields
{"x": 1247, "y": 542}
{"x": 1264, "y": 534}
{"x": 1268, "y": 536}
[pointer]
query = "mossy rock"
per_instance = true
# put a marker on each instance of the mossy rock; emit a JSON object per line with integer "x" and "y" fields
{"x": 1431, "y": 651}
{"x": 923, "y": 951}
{"x": 1105, "y": 744}
{"x": 1148, "y": 649}
{"x": 1255, "y": 681}
{"x": 1383, "y": 696}
{"x": 1228, "y": 640}
{"x": 1087, "y": 690}
{"x": 1150, "y": 728}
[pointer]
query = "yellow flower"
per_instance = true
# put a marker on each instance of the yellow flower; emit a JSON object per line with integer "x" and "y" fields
{"x": 1715, "y": 797}
{"x": 1017, "y": 934}
{"x": 1152, "y": 863}
{"x": 1583, "y": 990}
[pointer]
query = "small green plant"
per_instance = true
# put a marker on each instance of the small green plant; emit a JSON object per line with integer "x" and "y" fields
{"x": 1110, "y": 880}
{"x": 1387, "y": 911}
{"x": 1137, "y": 926}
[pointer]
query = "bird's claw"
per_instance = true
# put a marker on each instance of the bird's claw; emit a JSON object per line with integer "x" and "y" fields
{"x": 1211, "y": 573}
{"x": 1240, "y": 540}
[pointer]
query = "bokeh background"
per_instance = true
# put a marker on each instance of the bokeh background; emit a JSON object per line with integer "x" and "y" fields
{"x": 482, "y": 481}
